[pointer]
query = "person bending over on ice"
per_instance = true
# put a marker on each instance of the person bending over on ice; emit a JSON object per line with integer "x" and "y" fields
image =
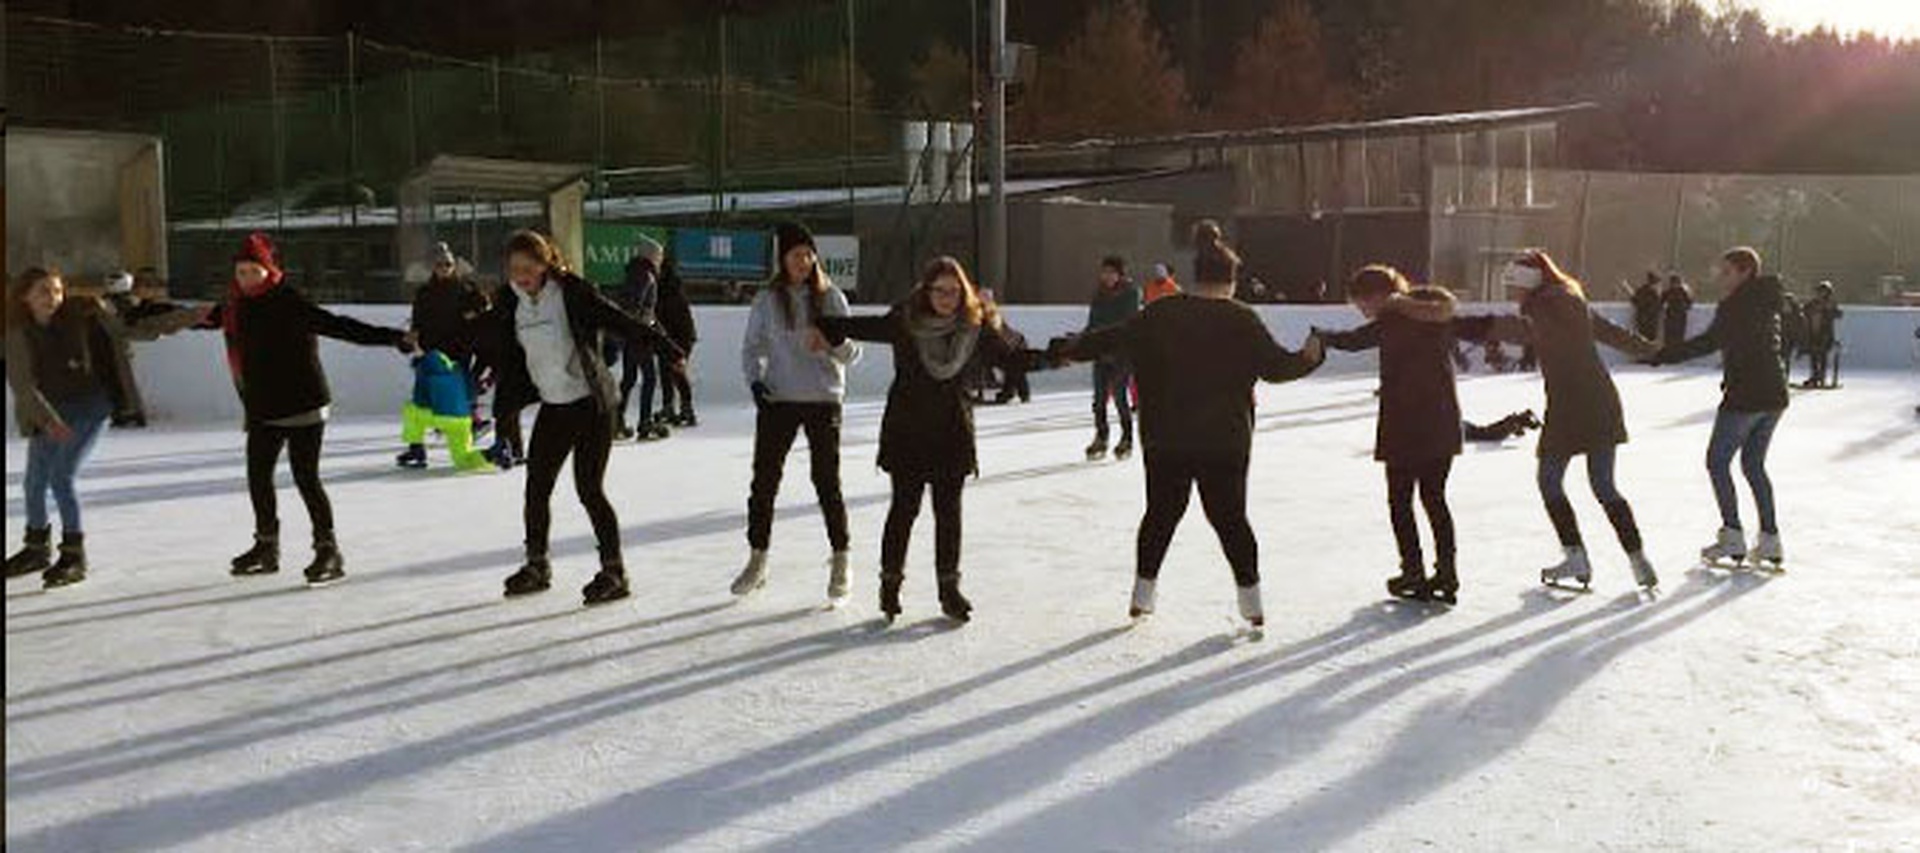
{"x": 543, "y": 340}
{"x": 1419, "y": 426}
{"x": 798, "y": 380}
{"x": 1198, "y": 354}
{"x": 942, "y": 334}
{"x": 272, "y": 333}
{"x": 1584, "y": 416}
{"x": 1115, "y": 301}
{"x": 1746, "y": 333}
{"x": 69, "y": 375}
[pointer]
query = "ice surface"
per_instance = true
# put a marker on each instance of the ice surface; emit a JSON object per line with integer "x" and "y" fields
{"x": 163, "y": 705}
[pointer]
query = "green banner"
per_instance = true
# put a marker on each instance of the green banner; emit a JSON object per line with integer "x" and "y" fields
{"x": 609, "y": 245}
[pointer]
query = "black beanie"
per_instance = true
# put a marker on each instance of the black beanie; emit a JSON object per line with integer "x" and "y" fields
{"x": 791, "y": 234}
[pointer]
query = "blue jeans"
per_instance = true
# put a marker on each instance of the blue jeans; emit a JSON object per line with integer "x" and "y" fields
{"x": 1749, "y": 434}
{"x": 1552, "y": 476}
{"x": 52, "y": 464}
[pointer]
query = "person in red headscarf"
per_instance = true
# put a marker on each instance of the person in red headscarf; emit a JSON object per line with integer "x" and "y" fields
{"x": 272, "y": 334}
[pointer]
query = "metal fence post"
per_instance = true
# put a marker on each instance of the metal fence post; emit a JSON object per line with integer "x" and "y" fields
{"x": 353, "y": 131}
{"x": 279, "y": 139}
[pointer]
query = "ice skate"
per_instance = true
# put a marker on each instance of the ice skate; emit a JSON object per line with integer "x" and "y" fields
{"x": 415, "y": 457}
{"x": 262, "y": 559}
{"x": 71, "y": 568}
{"x": 1643, "y": 574}
{"x": 1410, "y": 584}
{"x": 1250, "y": 608}
{"x": 327, "y": 566}
{"x": 1143, "y": 599}
{"x": 890, "y": 597}
{"x": 535, "y": 576}
{"x": 1097, "y": 450}
{"x": 654, "y": 431}
{"x": 1445, "y": 586}
{"x": 1729, "y": 550}
{"x": 35, "y": 554}
{"x": 1124, "y": 449}
{"x": 1573, "y": 569}
{"x": 754, "y": 576}
{"x": 1767, "y": 553}
{"x": 623, "y": 432}
{"x": 608, "y": 585}
{"x": 837, "y": 579}
{"x": 952, "y": 603}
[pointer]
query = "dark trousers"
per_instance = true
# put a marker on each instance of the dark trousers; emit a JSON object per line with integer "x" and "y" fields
{"x": 578, "y": 429}
{"x": 1430, "y": 478}
{"x": 1552, "y": 481}
{"x": 1013, "y": 383}
{"x": 1110, "y": 379}
{"x": 1223, "y": 495}
{"x": 908, "y": 489}
{"x": 302, "y": 445}
{"x": 773, "y": 435}
{"x": 1817, "y": 356}
{"x": 637, "y": 362}
{"x": 677, "y": 384}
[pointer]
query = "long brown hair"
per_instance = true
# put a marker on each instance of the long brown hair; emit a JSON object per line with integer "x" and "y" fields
{"x": 1377, "y": 280}
{"x": 1550, "y": 272}
{"x": 816, "y": 284}
{"x": 18, "y": 314}
{"x": 972, "y": 308}
{"x": 1214, "y": 262}
{"x": 537, "y": 246}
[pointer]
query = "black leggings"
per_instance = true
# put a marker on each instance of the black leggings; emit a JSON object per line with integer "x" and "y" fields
{"x": 773, "y": 436}
{"x": 303, "y": 455}
{"x": 675, "y": 383}
{"x": 908, "y": 488}
{"x": 637, "y": 362}
{"x": 1112, "y": 380}
{"x": 581, "y": 430}
{"x": 1223, "y": 494}
{"x": 1431, "y": 479}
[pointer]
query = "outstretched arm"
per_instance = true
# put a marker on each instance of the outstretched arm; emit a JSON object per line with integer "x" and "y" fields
{"x": 1275, "y": 363}
{"x": 1096, "y": 344}
{"x": 339, "y": 327}
{"x": 1353, "y": 340}
{"x": 603, "y": 314}
{"x": 1612, "y": 334}
{"x": 1694, "y": 347}
{"x": 872, "y": 328}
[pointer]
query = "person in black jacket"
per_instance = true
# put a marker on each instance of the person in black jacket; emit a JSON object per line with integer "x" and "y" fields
{"x": 272, "y": 335}
{"x": 1116, "y": 299}
{"x": 942, "y": 334}
{"x": 542, "y": 338}
{"x": 640, "y": 296}
{"x": 1198, "y": 355}
{"x": 1676, "y": 304}
{"x": 676, "y": 319}
{"x": 1646, "y": 303}
{"x": 1746, "y": 333}
{"x": 1821, "y": 317}
{"x": 1419, "y": 426}
{"x": 445, "y": 309}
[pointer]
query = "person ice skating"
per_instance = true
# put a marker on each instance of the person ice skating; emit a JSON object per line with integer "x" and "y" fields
{"x": 1162, "y": 285}
{"x": 445, "y": 311}
{"x": 1746, "y": 333}
{"x": 1793, "y": 329}
{"x": 542, "y": 338}
{"x": 640, "y": 296}
{"x": 1646, "y": 301}
{"x": 676, "y": 365}
{"x": 1419, "y": 423}
{"x": 1822, "y": 318}
{"x": 1676, "y": 305}
{"x": 1116, "y": 299}
{"x": 1199, "y": 354}
{"x": 1584, "y": 416}
{"x": 442, "y": 402}
{"x": 272, "y": 335}
{"x": 68, "y": 376}
{"x": 123, "y": 300}
{"x": 941, "y": 335}
{"x": 798, "y": 380}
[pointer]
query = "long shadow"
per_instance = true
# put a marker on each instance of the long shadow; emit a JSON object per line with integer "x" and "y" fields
{"x": 232, "y": 457}
{"x": 680, "y": 808}
{"x": 183, "y": 490}
{"x": 991, "y": 781}
{"x": 231, "y": 731}
{"x": 119, "y": 599}
{"x": 1147, "y": 804}
{"x": 179, "y": 819}
{"x": 1521, "y": 701}
{"x": 254, "y": 594}
{"x": 1873, "y": 443}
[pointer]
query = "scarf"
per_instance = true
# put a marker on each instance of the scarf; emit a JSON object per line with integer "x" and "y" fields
{"x": 945, "y": 344}
{"x": 230, "y": 316}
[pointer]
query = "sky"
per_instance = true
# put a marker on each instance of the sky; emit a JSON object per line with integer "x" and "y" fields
{"x": 1898, "y": 18}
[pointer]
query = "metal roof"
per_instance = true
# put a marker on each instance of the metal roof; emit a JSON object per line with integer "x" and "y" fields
{"x": 1419, "y": 125}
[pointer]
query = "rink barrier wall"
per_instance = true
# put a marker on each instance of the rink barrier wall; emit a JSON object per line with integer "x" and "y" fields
{"x": 184, "y": 378}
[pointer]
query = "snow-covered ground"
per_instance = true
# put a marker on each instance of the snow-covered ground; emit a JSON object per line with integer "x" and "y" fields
{"x": 163, "y": 705}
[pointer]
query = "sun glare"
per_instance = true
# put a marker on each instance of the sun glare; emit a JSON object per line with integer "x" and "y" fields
{"x": 1892, "y": 18}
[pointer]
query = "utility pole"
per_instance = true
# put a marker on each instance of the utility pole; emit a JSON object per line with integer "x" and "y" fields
{"x": 998, "y": 72}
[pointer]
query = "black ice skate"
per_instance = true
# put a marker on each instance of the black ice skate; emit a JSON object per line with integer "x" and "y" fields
{"x": 35, "y": 554}
{"x": 262, "y": 559}
{"x": 327, "y": 566}
{"x": 1098, "y": 449}
{"x": 1410, "y": 584}
{"x": 415, "y": 456}
{"x": 535, "y": 576}
{"x": 952, "y": 603}
{"x": 1445, "y": 586}
{"x": 1124, "y": 449}
{"x": 890, "y": 597}
{"x": 609, "y": 585}
{"x": 71, "y": 568}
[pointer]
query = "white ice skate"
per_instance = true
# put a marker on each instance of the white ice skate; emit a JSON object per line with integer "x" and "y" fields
{"x": 1643, "y": 571}
{"x": 1729, "y": 550}
{"x": 837, "y": 579}
{"x": 1143, "y": 594}
{"x": 1768, "y": 554}
{"x": 754, "y": 576}
{"x": 1573, "y": 569}
{"x": 1250, "y": 609}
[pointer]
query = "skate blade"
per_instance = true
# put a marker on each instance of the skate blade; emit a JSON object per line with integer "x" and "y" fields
{"x": 1582, "y": 587}
{"x": 605, "y": 601}
{"x": 327, "y": 582}
{"x": 834, "y": 604}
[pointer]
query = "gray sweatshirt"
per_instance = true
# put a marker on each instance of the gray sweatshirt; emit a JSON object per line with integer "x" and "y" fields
{"x": 775, "y": 354}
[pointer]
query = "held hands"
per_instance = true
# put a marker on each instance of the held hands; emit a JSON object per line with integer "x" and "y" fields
{"x": 409, "y": 344}
{"x": 762, "y": 395}
{"x": 1315, "y": 349}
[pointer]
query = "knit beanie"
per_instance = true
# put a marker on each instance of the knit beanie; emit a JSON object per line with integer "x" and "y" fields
{"x": 790, "y": 235}
{"x": 443, "y": 254}
{"x": 258, "y": 248}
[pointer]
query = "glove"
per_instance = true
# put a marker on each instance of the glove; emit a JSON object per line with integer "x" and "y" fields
{"x": 762, "y": 395}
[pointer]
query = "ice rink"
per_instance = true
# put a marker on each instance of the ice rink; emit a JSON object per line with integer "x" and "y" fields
{"x": 163, "y": 705}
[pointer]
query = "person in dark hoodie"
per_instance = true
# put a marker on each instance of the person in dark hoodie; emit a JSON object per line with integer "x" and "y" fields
{"x": 1822, "y": 318}
{"x": 272, "y": 333}
{"x": 1115, "y": 301}
{"x": 640, "y": 296}
{"x": 1746, "y": 333}
{"x": 68, "y": 374}
{"x": 1676, "y": 305}
{"x": 1646, "y": 306}
{"x": 1199, "y": 354}
{"x": 1419, "y": 426}
{"x": 676, "y": 318}
{"x": 445, "y": 310}
{"x": 543, "y": 337}
{"x": 942, "y": 334}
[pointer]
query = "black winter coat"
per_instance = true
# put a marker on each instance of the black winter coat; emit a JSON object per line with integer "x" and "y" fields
{"x": 928, "y": 425}
{"x": 1676, "y": 304}
{"x": 444, "y": 313}
{"x": 674, "y": 311}
{"x": 590, "y": 316}
{"x": 1746, "y": 333}
{"x": 1822, "y": 319}
{"x": 1419, "y": 409}
{"x": 1646, "y": 311}
{"x": 278, "y": 350}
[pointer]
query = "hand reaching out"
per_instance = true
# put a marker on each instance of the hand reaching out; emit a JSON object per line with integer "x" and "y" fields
{"x": 1315, "y": 349}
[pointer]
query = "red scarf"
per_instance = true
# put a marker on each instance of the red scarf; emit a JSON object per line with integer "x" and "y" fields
{"x": 257, "y": 249}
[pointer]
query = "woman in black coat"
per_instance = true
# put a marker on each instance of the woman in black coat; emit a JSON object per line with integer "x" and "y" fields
{"x": 941, "y": 334}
